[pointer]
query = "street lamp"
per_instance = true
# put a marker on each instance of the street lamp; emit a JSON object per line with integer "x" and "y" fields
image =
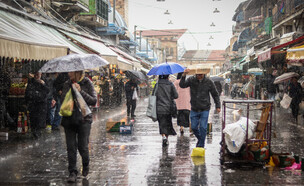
{"x": 208, "y": 44}
{"x": 170, "y": 22}
{"x": 211, "y": 37}
{"x": 212, "y": 24}
{"x": 216, "y": 11}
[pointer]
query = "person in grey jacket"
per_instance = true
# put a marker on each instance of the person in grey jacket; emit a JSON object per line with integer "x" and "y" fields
{"x": 76, "y": 127}
{"x": 165, "y": 95}
{"x": 200, "y": 89}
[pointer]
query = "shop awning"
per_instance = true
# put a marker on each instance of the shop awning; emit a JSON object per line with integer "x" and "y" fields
{"x": 22, "y": 38}
{"x": 136, "y": 63}
{"x": 124, "y": 64}
{"x": 94, "y": 45}
{"x": 264, "y": 56}
{"x": 295, "y": 55}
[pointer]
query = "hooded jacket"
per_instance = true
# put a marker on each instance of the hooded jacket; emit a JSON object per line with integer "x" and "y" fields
{"x": 200, "y": 93}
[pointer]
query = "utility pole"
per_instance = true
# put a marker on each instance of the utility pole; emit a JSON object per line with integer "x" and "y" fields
{"x": 135, "y": 40}
{"x": 147, "y": 46}
{"x": 140, "y": 40}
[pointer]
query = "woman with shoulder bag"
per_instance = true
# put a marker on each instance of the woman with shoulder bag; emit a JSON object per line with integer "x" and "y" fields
{"x": 76, "y": 127}
{"x": 165, "y": 95}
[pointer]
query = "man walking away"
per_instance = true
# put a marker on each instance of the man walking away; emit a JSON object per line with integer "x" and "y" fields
{"x": 131, "y": 103}
{"x": 200, "y": 89}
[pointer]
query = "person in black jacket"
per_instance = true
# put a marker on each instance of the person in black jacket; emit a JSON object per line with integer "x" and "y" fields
{"x": 200, "y": 89}
{"x": 295, "y": 92}
{"x": 131, "y": 103}
{"x": 77, "y": 128}
{"x": 165, "y": 95}
{"x": 36, "y": 98}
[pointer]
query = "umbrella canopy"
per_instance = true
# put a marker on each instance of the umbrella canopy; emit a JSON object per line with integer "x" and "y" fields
{"x": 132, "y": 74}
{"x": 285, "y": 77}
{"x": 73, "y": 62}
{"x": 216, "y": 78}
{"x": 166, "y": 69}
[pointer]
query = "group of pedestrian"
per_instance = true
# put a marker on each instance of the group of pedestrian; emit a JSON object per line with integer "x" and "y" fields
{"x": 192, "y": 97}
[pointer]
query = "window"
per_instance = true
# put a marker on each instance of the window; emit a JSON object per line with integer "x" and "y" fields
{"x": 171, "y": 51}
{"x": 102, "y": 9}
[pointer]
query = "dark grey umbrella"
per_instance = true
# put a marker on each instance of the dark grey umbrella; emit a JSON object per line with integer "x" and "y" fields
{"x": 73, "y": 62}
{"x": 132, "y": 74}
{"x": 216, "y": 78}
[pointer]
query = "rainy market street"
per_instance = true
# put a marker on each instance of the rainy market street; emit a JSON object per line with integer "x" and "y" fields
{"x": 139, "y": 159}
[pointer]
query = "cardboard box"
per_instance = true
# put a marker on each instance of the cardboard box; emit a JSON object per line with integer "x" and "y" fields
{"x": 113, "y": 126}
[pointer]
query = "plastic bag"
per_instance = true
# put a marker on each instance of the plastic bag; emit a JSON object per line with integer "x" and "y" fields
{"x": 198, "y": 152}
{"x": 134, "y": 97}
{"x": 85, "y": 109}
{"x": 285, "y": 101}
{"x": 235, "y": 134}
{"x": 67, "y": 106}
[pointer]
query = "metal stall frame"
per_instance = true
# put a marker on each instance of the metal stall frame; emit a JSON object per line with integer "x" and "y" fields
{"x": 267, "y": 132}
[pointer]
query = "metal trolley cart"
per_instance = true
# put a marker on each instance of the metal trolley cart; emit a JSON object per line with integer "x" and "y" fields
{"x": 257, "y": 108}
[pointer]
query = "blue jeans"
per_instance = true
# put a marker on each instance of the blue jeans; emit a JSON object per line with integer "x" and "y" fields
{"x": 57, "y": 117}
{"x": 199, "y": 121}
{"x": 50, "y": 112}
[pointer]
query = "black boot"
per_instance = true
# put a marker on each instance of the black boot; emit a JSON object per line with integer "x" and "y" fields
{"x": 72, "y": 177}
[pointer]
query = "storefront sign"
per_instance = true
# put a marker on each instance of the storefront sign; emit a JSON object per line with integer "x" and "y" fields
{"x": 264, "y": 56}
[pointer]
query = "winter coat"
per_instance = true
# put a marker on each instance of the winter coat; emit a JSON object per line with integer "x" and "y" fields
{"x": 36, "y": 97}
{"x": 295, "y": 92}
{"x": 183, "y": 100}
{"x": 129, "y": 90}
{"x": 89, "y": 95}
{"x": 165, "y": 95}
{"x": 200, "y": 93}
{"x": 58, "y": 84}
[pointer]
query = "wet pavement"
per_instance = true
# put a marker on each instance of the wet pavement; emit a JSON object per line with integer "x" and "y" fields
{"x": 139, "y": 159}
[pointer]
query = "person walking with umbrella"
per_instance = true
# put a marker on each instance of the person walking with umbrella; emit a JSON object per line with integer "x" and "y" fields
{"x": 165, "y": 95}
{"x": 182, "y": 104}
{"x": 77, "y": 128}
{"x": 200, "y": 89}
{"x": 131, "y": 88}
{"x": 79, "y": 93}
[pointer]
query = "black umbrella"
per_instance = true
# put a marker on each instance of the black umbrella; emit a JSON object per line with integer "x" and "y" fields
{"x": 132, "y": 74}
{"x": 217, "y": 78}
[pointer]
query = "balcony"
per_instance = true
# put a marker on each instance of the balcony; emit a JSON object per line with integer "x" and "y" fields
{"x": 96, "y": 17}
{"x": 69, "y": 8}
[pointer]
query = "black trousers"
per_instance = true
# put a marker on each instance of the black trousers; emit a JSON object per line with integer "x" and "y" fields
{"x": 131, "y": 105}
{"x": 77, "y": 137}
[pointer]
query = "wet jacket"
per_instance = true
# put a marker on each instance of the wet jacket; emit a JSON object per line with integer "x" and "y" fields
{"x": 129, "y": 90}
{"x": 36, "y": 98}
{"x": 89, "y": 95}
{"x": 200, "y": 93}
{"x": 165, "y": 94}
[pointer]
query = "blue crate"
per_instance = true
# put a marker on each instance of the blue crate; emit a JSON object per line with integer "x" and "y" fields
{"x": 125, "y": 129}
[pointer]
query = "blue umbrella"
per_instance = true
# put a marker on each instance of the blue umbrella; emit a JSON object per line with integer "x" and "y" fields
{"x": 166, "y": 69}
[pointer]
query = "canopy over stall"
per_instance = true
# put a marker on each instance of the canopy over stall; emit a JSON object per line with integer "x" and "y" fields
{"x": 23, "y": 38}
